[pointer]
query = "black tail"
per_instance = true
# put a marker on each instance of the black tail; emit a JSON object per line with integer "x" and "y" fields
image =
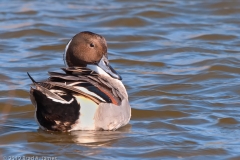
{"x": 31, "y": 78}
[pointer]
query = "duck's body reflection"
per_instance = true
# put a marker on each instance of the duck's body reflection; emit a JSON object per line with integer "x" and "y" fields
{"x": 99, "y": 137}
{"x": 86, "y": 138}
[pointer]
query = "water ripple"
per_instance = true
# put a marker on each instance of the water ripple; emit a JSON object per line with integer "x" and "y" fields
{"x": 179, "y": 61}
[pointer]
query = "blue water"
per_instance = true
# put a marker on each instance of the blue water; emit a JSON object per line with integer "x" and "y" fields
{"x": 179, "y": 61}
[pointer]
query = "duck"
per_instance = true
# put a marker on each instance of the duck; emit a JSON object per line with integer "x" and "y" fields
{"x": 88, "y": 94}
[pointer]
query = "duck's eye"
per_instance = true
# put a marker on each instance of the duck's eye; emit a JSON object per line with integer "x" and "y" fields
{"x": 91, "y": 45}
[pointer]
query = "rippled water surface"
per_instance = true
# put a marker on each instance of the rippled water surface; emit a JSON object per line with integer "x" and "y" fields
{"x": 179, "y": 61}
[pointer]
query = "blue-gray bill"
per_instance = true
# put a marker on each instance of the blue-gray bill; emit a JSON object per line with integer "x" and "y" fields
{"x": 104, "y": 64}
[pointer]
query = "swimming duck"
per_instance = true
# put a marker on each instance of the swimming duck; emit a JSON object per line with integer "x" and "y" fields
{"x": 89, "y": 95}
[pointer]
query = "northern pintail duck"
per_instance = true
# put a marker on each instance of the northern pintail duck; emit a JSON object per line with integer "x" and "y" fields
{"x": 88, "y": 96}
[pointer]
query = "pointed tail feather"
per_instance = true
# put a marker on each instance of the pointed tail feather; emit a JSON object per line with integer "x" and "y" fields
{"x": 31, "y": 78}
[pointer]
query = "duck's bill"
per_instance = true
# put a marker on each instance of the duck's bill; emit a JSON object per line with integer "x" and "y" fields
{"x": 104, "y": 65}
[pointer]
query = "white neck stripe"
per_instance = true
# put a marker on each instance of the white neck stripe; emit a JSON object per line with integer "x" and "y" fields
{"x": 65, "y": 53}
